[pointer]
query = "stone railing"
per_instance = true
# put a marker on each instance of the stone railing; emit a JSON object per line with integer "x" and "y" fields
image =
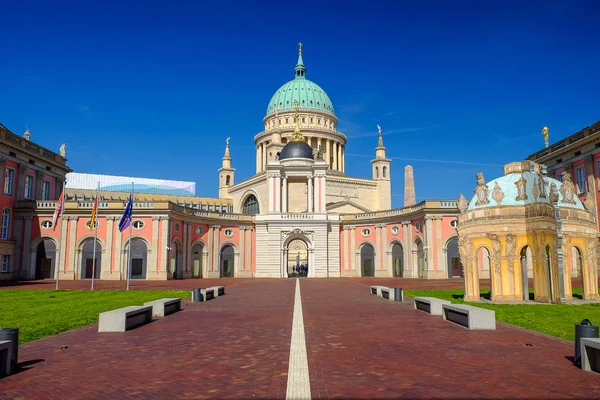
{"x": 297, "y": 216}
{"x": 449, "y": 205}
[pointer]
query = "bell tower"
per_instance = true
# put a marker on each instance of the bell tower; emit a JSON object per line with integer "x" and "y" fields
{"x": 226, "y": 174}
{"x": 381, "y": 174}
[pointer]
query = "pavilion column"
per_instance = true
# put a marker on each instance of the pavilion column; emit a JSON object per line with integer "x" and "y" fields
{"x": 335, "y": 156}
{"x": 284, "y": 196}
{"x": 258, "y": 159}
{"x": 310, "y": 199}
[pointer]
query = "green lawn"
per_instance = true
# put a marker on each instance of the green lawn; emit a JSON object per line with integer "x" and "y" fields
{"x": 41, "y": 313}
{"x": 556, "y": 319}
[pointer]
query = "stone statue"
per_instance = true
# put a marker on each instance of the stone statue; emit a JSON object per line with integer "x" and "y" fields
{"x": 480, "y": 179}
{"x": 378, "y": 129}
{"x": 319, "y": 155}
{"x": 27, "y": 135}
{"x": 462, "y": 203}
{"x": 63, "y": 150}
{"x": 227, "y": 142}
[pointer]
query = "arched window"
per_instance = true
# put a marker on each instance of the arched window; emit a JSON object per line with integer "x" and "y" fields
{"x": 376, "y": 172}
{"x": 251, "y": 205}
{"x": 384, "y": 171}
{"x": 5, "y": 223}
{"x": 227, "y": 180}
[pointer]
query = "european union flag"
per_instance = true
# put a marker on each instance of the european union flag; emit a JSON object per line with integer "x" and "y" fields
{"x": 126, "y": 218}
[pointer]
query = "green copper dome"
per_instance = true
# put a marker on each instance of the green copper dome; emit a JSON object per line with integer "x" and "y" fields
{"x": 307, "y": 93}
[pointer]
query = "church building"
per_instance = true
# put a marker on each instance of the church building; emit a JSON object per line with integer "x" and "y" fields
{"x": 298, "y": 215}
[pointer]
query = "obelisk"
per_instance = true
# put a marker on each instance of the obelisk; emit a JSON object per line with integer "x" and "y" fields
{"x": 409, "y": 186}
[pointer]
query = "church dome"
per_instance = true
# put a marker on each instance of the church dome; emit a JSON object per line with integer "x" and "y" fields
{"x": 520, "y": 186}
{"x": 308, "y": 94}
{"x": 296, "y": 149}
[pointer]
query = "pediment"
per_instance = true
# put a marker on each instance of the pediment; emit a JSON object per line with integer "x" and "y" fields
{"x": 346, "y": 207}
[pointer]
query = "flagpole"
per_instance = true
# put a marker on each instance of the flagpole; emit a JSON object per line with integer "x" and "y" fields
{"x": 62, "y": 210}
{"x": 129, "y": 252}
{"x": 95, "y": 234}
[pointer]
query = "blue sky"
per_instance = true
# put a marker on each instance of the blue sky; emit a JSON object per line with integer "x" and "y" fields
{"x": 153, "y": 89}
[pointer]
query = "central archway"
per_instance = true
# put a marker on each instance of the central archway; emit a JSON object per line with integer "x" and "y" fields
{"x": 88, "y": 266}
{"x": 367, "y": 260}
{"x": 44, "y": 262}
{"x": 297, "y": 258}
{"x": 227, "y": 261}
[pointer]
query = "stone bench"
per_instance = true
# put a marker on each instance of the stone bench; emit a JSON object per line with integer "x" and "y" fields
{"x": 390, "y": 293}
{"x": 590, "y": 354}
{"x": 473, "y": 318}
{"x": 204, "y": 295}
{"x": 376, "y": 289}
{"x": 124, "y": 319}
{"x": 164, "y": 307}
{"x": 219, "y": 290}
{"x": 431, "y": 305}
{"x": 5, "y": 366}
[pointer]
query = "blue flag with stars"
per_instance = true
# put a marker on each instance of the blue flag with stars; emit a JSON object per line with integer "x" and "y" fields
{"x": 126, "y": 218}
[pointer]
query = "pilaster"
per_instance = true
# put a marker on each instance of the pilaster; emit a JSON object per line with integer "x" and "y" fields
{"x": 71, "y": 269}
{"x": 165, "y": 239}
{"x": 215, "y": 271}
{"x": 18, "y": 233}
{"x": 408, "y": 259}
{"x": 39, "y": 184}
{"x": 20, "y": 187}
{"x": 105, "y": 268}
{"x": 379, "y": 251}
{"x": 26, "y": 270}
{"x": 153, "y": 259}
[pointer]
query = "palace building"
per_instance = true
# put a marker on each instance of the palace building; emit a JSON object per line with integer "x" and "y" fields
{"x": 299, "y": 214}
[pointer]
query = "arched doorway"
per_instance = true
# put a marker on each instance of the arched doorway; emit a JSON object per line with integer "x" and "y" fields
{"x": 398, "y": 260}
{"x": 87, "y": 259}
{"x": 420, "y": 259}
{"x": 526, "y": 266}
{"x": 227, "y": 262}
{"x": 45, "y": 259}
{"x": 483, "y": 262}
{"x": 176, "y": 260}
{"x": 453, "y": 263}
{"x": 576, "y": 262}
{"x": 367, "y": 260}
{"x": 139, "y": 258}
{"x": 197, "y": 260}
{"x": 297, "y": 258}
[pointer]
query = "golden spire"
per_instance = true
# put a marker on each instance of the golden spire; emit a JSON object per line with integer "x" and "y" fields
{"x": 297, "y": 135}
{"x": 300, "y": 48}
{"x": 545, "y": 133}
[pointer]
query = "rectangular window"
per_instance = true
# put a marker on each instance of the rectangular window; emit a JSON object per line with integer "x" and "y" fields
{"x": 581, "y": 186}
{"x": 9, "y": 176}
{"x": 5, "y": 263}
{"x": 46, "y": 191}
{"x": 28, "y": 187}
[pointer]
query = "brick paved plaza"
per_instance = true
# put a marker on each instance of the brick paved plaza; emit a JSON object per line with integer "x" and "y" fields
{"x": 238, "y": 346}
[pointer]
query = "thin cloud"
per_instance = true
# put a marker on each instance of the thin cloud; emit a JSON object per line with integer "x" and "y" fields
{"x": 430, "y": 160}
{"x": 394, "y": 131}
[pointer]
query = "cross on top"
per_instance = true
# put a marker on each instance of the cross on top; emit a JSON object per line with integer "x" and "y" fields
{"x": 300, "y": 45}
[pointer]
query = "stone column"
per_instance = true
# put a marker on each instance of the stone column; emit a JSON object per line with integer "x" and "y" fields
{"x": 106, "y": 262}
{"x": 278, "y": 193}
{"x": 39, "y": 184}
{"x": 20, "y": 187}
{"x": 343, "y": 158}
{"x": 258, "y": 159}
{"x": 335, "y": 156}
{"x": 216, "y": 243}
{"x": 339, "y": 156}
{"x": 118, "y": 269}
{"x": 184, "y": 248}
{"x": 328, "y": 152}
{"x": 384, "y": 260}
{"x": 428, "y": 236}
{"x": 211, "y": 247}
{"x": 75, "y": 269}
{"x": 310, "y": 201}
{"x": 26, "y": 243}
{"x": 284, "y": 196}
{"x": 352, "y": 248}
{"x": 165, "y": 235}
{"x": 344, "y": 266}
{"x": 440, "y": 253}
{"x": 63, "y": 256}
{"x": 407, "y": 251}
{"x": 242, "y": 264}
{"x": 153, "y": 259}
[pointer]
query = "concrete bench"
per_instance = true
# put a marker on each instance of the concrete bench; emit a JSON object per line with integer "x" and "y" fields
{"x": 163, "y": 307}
{"x": 590, "y": 354}
{"x": 219, "y": 290}
{"x": 376, "y": 289}
{"x": 431, "y": 305}
{"x": 473, "y": 318}
{"x": 124, "y": 319}
{"x": 204, "y": 295}
{"x": 5, "y": 358}
{"x": 390, "y": 293}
